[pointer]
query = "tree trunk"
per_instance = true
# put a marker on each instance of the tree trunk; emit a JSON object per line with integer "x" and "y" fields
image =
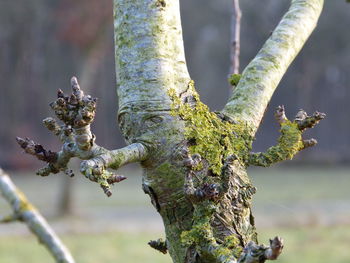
{"x": 194, "y": 161}
{"x": 160, "y": 109}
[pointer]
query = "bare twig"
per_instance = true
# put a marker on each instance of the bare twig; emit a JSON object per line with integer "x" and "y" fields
{"x": 25, "y": 212}
{"x": 235, "y": 37}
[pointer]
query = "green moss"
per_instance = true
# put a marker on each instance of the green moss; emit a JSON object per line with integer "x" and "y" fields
{"x": 214, "y": 138}
{"x": 201, "y": 232}
{"x": 290, "y": 141}
{"x": 201, "y": 235}
{"x": 234, "y": 79}
{"x": 232, "y": 244}
{"x": 211, "y": 137}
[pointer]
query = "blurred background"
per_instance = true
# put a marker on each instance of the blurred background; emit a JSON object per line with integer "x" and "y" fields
{"x": 45, "y": 42}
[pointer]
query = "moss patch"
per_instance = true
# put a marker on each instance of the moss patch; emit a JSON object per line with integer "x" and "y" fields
{"x": 211, "y": 137}
{"x": 201, "y": 232}
{"x": 234, "y": 79}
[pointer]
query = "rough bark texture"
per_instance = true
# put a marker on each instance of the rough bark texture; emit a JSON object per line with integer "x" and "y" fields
{"x": 194, "y": 160}
{"x": 24, "y": 211}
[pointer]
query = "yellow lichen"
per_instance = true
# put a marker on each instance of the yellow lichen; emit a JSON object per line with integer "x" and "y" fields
{"x": 25, "y": 205}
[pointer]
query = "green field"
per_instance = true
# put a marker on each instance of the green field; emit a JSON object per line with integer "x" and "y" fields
{"x": 276, "y": 185}
{"x": 309, "y": 208}
{"x": 309, "y": 245}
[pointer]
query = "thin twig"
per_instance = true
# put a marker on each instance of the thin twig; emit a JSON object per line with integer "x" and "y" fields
{"x": 235, "y": 37}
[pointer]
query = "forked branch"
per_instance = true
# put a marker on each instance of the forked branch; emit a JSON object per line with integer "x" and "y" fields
{"x": 77, "y": 112}
{"x": 262, "y": 75}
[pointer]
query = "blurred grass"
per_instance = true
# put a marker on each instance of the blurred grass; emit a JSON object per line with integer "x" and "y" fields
{"x": 284, "y": 195}
{"x": 281, "y": 184}
{"x": 312, "y": 244}
{"x": 309, "y": 245}
{"x": 292, "y": 184}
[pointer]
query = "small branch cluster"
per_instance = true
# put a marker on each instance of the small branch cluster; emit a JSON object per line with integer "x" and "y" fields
{"x": 77, "y": 112}
{"x": 290, "y": 141}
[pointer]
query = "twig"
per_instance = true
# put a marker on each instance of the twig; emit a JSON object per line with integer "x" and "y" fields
{"x": 235, "y": 37}
{"x": 25, "y": 212}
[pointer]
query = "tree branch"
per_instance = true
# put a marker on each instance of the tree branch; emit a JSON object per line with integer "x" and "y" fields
{"x": 261, "y": 77}
{"x": 77, "y": 112}
{"x": 290, "y": 141}
{"x": 24, "y": 211}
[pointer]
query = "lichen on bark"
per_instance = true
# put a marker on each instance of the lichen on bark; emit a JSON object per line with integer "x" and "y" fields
{"x": 262, "y": 75}
{"x": 216, "y": 147}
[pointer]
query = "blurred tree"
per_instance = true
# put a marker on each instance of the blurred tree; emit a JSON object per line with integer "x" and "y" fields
{"x": 85, "y": 25}
{"x": 195, "y": 161}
